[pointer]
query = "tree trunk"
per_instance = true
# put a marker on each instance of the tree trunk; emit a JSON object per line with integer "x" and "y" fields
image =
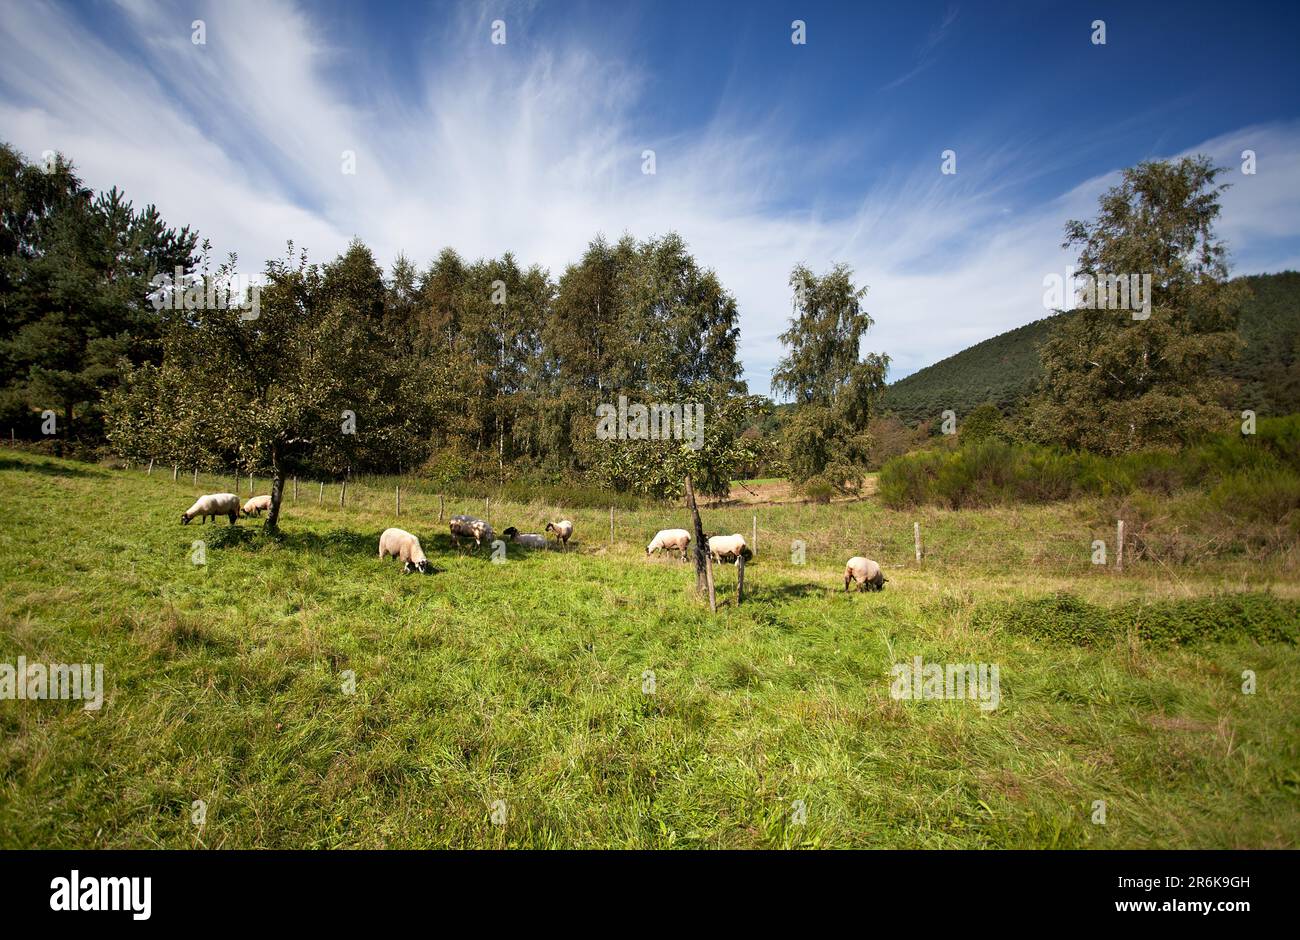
{"x": 277, "y": 490}
{"x": 703, "y": 576}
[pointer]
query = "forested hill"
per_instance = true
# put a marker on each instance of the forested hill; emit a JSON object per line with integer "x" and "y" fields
{"x": 1005, "y": 368}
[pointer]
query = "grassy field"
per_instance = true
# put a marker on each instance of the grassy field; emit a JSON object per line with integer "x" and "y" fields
{"x": 526, "y": 682}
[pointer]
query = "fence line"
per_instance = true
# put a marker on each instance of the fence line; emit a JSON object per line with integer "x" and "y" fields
{"x": 955, "y": 544}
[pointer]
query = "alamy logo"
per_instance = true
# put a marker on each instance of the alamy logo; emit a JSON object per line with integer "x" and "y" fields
{"x": 1103, "y": 292}
{"x": 919, "y": 680}
{"x": 103, "y": 894}
{"x": 190, "y": 292}
{"x": 38, "y": 681}
{"x": 637, "y": 422}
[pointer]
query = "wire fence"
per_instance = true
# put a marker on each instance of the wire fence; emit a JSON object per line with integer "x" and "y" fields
{"x": 1047, "y": 538}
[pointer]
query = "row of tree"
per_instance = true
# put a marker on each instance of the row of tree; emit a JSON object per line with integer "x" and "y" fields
{"x": 490, "y": 369}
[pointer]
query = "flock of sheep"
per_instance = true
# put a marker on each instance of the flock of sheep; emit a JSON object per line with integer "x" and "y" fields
{"x": 400, "y": 544}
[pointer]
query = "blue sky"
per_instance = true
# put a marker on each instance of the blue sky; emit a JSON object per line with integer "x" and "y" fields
{"x": 767, "y": 153}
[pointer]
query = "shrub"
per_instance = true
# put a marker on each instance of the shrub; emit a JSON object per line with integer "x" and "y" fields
{"x": 1065, "y": 618}
{"x": 1259, "y": 470}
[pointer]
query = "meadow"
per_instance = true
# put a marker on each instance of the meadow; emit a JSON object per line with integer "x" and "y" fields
{"x": 311, "y": 695}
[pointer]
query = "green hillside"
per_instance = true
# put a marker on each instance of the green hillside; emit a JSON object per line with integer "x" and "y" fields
{"x": 1005, "y": 368}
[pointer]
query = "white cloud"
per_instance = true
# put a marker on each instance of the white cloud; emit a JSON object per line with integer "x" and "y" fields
{"x": 534, "y": 151}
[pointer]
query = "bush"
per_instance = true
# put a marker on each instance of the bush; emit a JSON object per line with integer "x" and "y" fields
{"x": 1257, "y": 496}
{"x": 1066, "y": 618}
{"x": 1260, "y": 471}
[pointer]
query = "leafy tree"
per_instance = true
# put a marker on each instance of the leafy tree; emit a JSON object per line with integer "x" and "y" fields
{"x": 279, "y": 390}
{"x": 833, "y": 390}
{"x": 1112, "y": 382}
{"x": 644, "y": 320}
{"x": 982, "y": 424}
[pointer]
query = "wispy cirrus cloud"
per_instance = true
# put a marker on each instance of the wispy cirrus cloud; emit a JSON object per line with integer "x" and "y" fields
{"x": 535, "y": 147}
{"x": 928, "y": 52}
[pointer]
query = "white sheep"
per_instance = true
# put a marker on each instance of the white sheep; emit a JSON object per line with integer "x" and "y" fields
{"x": 865, "y": 572}
{"x": 526, "y": 539}
{"x": 402, "y": 544}
{"x": 470, "y": 528}
{"x": 257, "y": 505}
{"x": 562, "y": 529}
{"x": 669, "y": 539}
{"x": 213, "y": 504}
{"x": 729, "y": 547}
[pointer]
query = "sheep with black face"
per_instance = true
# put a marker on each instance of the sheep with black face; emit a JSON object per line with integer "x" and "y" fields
{"x": 865, "y": 572}
{"x": 213, "y": 504}
{"x": 398, "y": 543}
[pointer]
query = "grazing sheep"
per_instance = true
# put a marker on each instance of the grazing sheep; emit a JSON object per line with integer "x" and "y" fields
{"x": 865, "y": 572}
{"x": 526, "y": 539}
{"x": 562, "y": 529}
{"x": 668, "y": 539}
{"x": 470, "y": 528}
{"x": 402, "y": 544}
{"x": 257, "y": 505}
{"x": 729, "y": 547}
{"x": 213, "y": 504}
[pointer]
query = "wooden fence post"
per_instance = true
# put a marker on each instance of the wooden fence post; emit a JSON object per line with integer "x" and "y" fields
{"x": 149, "y": 472}
{"x": 1119, "y": 545}
{"x": 916, "y": 537}
{"x": 295, "y": 489}
{"x": 439, "y": 507}
{"x": 175, "y": 469}
{"x": 343, "y": 492}
{"x": 320, "y": 499}
{"x": 611, "y": 526}
{"x": 755, "y": 547}
{"x": 740, "y": 580}
{"x": 399, "y": 499}
{"x": 708, "y": 575}
{"x": 196, "y": 476}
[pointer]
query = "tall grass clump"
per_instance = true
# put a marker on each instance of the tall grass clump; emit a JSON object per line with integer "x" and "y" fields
{"x": 1067, "y": 619}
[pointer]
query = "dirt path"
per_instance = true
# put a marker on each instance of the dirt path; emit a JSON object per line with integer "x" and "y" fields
{"x": 776, "y": 492}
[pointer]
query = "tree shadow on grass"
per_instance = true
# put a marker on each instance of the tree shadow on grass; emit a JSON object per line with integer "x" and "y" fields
{"x": 759, "y": 593}
{"x": 336, "y": 542}
{"x": 227, "y": 536}
{"x": 48, "y": 467}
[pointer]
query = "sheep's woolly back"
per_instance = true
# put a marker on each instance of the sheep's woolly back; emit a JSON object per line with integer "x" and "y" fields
{"x": 669, "y": 538}
{"x": 214, "y": 504}
{"x": 727, "y": 546}
{"x": 562, "y": 529}
{"x": 258, "y": 504}
{"x": 863, "y": 570}
{"x": 469, "y": 527}
{"x": 401, "y": 544}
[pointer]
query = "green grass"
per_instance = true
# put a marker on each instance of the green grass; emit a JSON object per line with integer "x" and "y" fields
{"x": 523, "y": 682}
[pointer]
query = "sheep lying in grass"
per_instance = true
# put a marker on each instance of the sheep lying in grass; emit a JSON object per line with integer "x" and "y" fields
{"x": 213, "y": 504}
{"x": 257, "y": 505}
{"x": 865, "y": 572}
{"x": 669, "y": 539}
{"x": 526, "y": 539}
{"x": 470, "y": 528}
{"x": 729, "y": 547}
{"x": 562, "y": 529}
{"x": 402, "y": 544}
